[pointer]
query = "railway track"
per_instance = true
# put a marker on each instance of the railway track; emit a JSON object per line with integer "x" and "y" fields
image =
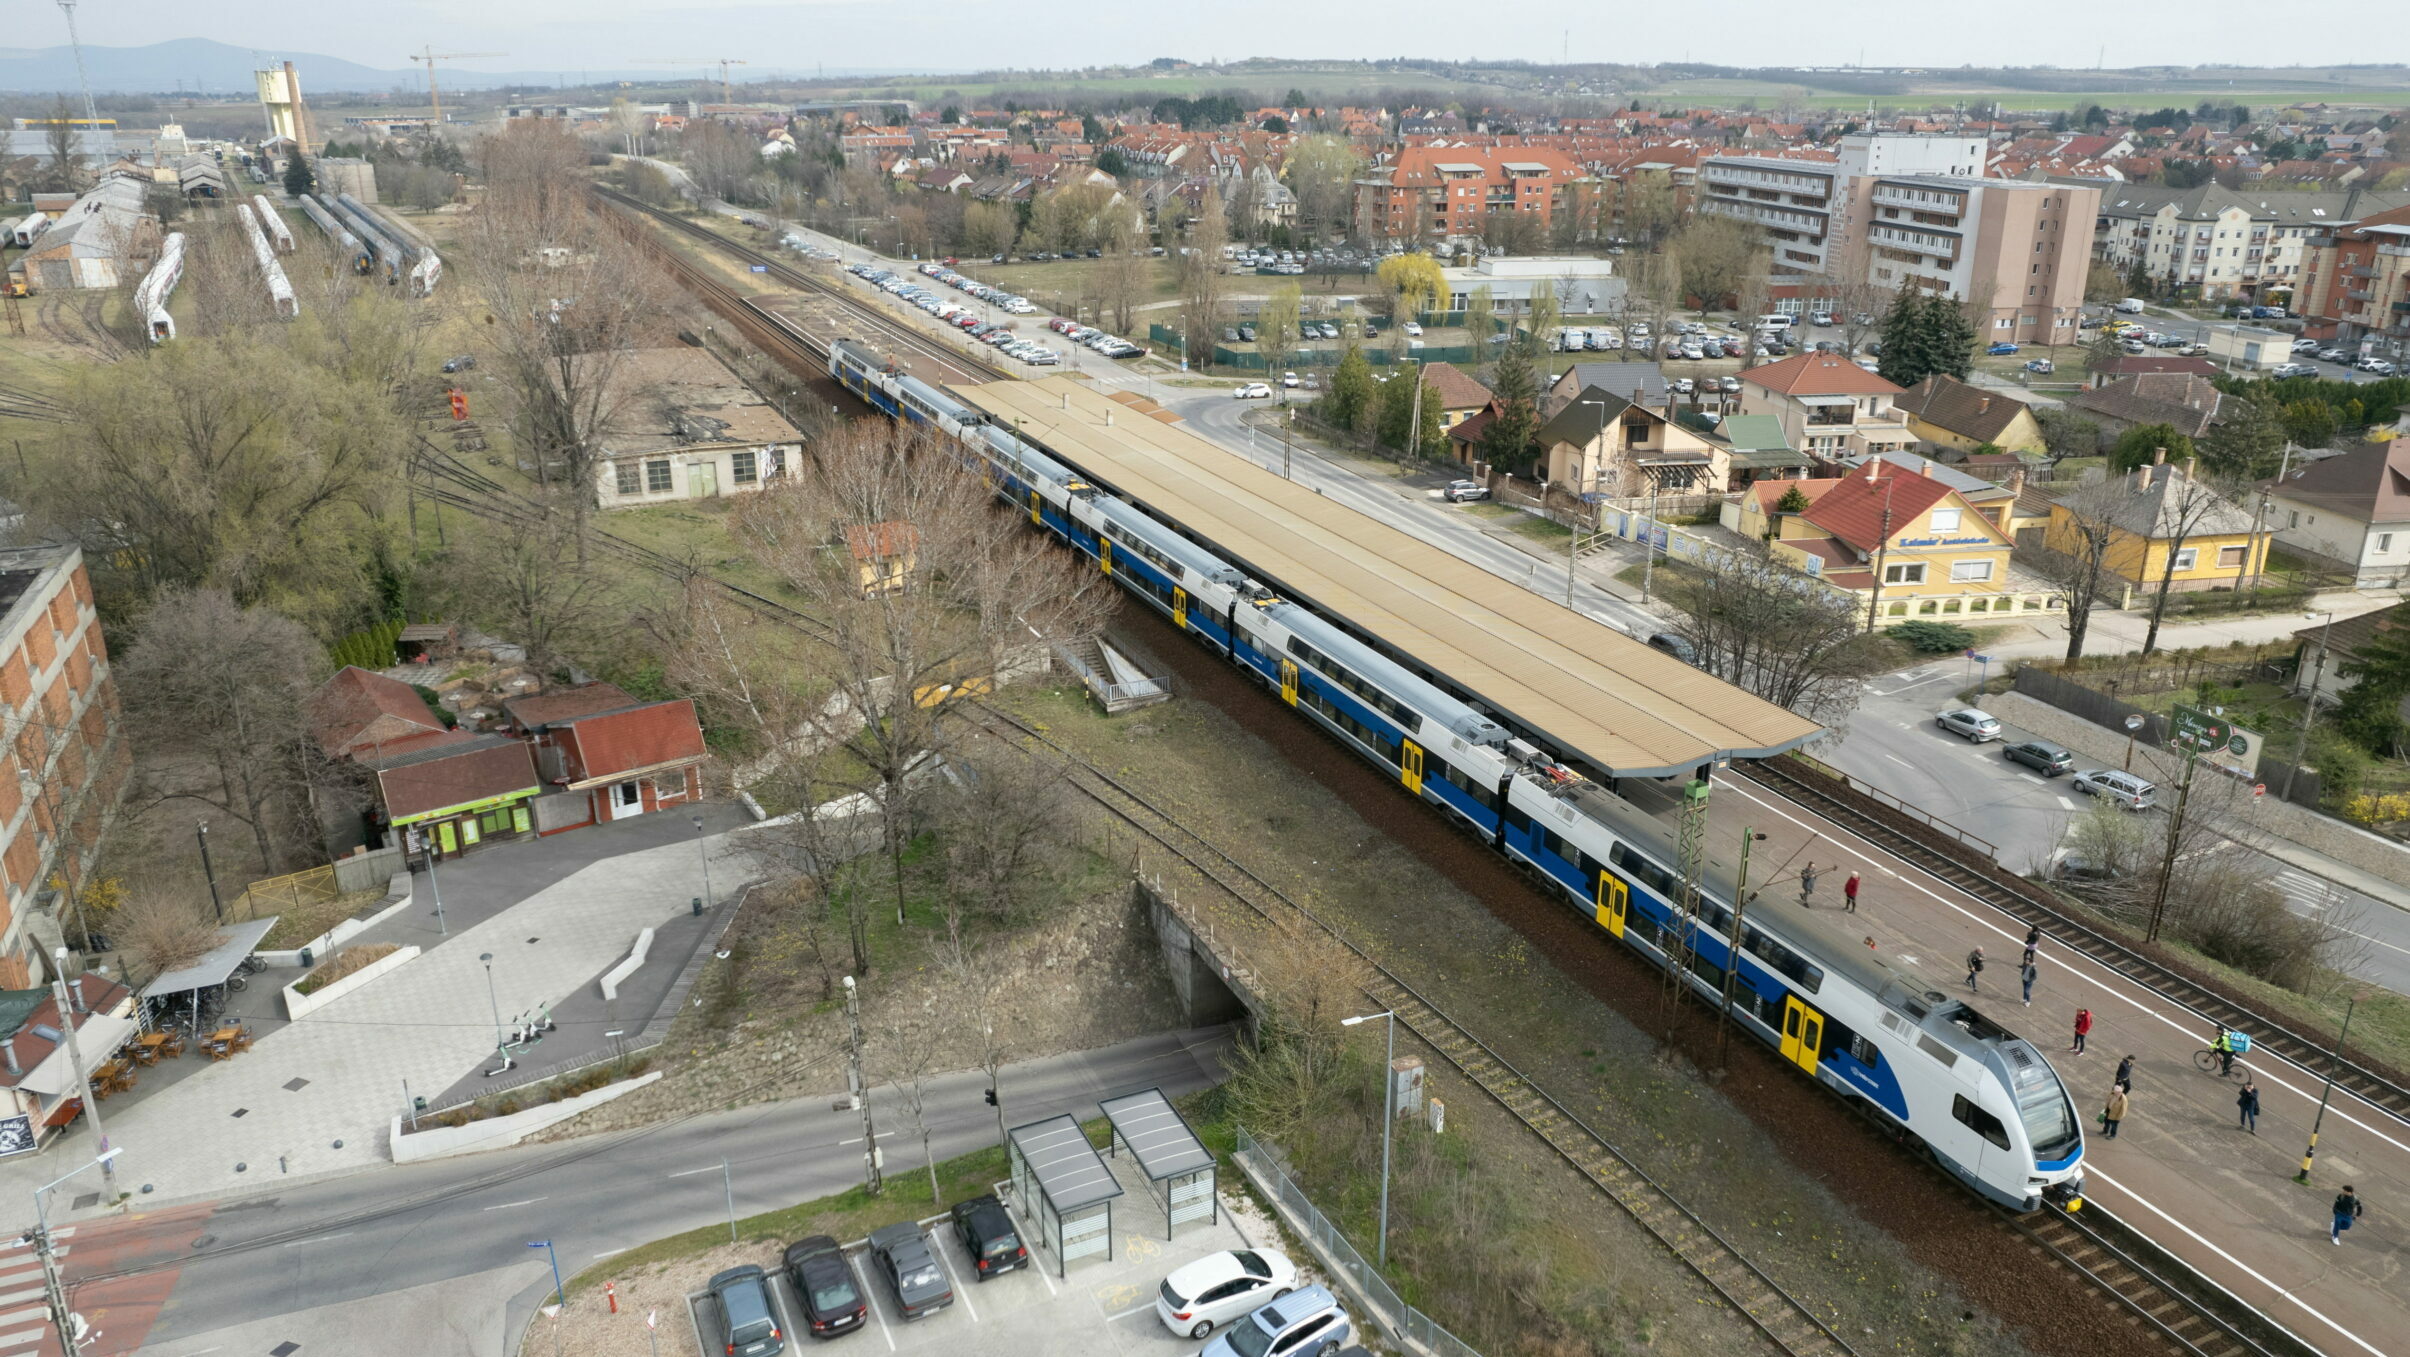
{"x": 780, "y": 335}
{"x": 2031, "y": 904}
{"x": 1782, "y": 1317}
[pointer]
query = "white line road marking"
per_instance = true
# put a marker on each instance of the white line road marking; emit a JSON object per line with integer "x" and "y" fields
{"x": 938, "y": 1246}
{"x": 606, "y": 1253}
{"x": 858, "y": 1140}
{"x": 689, "y": 1173}
{"x": 2066, "y": 804}
{"x": 60, "y": 1233}
{"x": 2093, "y": 1171}
{"x": 1134, "y": 1310}
{"x": 1900, "y": 761}
{"x": 28, "y": 1338}
{"x": 320, "y": 1239}
{"x": 508, "y": 1205}
{"x": 2038, "y": 782}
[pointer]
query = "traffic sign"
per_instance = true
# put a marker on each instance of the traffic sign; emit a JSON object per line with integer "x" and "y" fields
{"x": 759, "y": 268}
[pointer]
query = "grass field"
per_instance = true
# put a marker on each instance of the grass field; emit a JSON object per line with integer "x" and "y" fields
{"x": 1068, "y": 280}
{"x": 1771, "y": 93}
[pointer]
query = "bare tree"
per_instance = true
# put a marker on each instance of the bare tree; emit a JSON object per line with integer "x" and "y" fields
{"x": 718, "y": 158}
{"x": 1753, "y": 621}
{"x": 908, "y": 1074}
{"x": 924, "y": 589}
{"x": 158, "y": 929}
{"x": 524, "y": 581}
{"x": 2184, "y": 505}
{"x": 226, "y": 685}
{"x": 1003, "y": 822}
{"x": 568, "y": 297}
{"x": 2077, "y": 554}
{"x": 1201, "y": 279}
{"x": 1121, "y": 278}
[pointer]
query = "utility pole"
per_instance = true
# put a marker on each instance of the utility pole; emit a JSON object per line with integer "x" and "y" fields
{"x": 1388, "y": 1119}
{"x": 1882, "y": 546}
{"x": 54, "y": 1291}
{"x": 2258, "y": 518}
{"x": 861, "y": 1088}
{"x": 1648, "y": 541}
{"x": 2309, "y": 708}
{"x": 2175, "y": 839}
{"x": 83, "y": 1085}
{"x": 1740, "y": 905}
{"x": 211, "y": 872}
{"x": 2309, "y": 1156}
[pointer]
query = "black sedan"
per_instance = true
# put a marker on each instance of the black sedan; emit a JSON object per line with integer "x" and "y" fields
{"x": 901, "y": 1253}
{"x": 988, "y": 1236}
{"x": 832, "y": 1300}
{"x": 2041, "y": 756}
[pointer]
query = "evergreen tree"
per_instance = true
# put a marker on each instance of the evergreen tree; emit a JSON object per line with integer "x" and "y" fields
{"x": 298, "y": 178}
{"x": 2102, "y": 350}
{"x": 1952, "y": 337}
{"x": 2140, "y": 445}
{"x": 1907, "y": 340}
{"x": 2311, "y": 423}
{"x": 1350, "y": 403}
{"x": 2248, "y": 440}
{"x": 1399, "y": 411}
{"x": 1507, "y": 441}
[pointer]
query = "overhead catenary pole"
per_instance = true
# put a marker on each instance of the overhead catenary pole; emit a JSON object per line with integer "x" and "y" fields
{"x": 1740, "y": 906}
{"x": 2258, "y": 519}
{"x": 2309, "y": 708}
{"x": 861, "y": 1089}
{"x": 2309, "y": 1157}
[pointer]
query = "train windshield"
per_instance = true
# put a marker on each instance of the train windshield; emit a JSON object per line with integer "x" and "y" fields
{"x": 2049, "y": 1120}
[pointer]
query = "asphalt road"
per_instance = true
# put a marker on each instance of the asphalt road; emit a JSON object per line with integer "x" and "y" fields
{"x": 357, "y": 1237}
{"x": 1893, "y": 744}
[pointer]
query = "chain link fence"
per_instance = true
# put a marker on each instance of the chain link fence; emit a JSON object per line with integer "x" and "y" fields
{"x": 1406, "y": 1324}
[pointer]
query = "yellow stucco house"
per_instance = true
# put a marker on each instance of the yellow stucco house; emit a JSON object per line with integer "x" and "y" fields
{"x": 2165, "y": 509}
{"x": 1951, "y": 415}
{"x": 1887, "y": 526}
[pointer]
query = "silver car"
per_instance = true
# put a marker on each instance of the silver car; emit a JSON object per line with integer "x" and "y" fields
{"x": 2125, "y": 789}
{"x": 1976, "y": 726}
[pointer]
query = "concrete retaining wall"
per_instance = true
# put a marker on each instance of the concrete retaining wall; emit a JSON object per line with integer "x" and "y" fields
{"x": 635, "y": 958}
{"x": 2345, "y": 843}
{"x": 397, "y": 898}
{"x": 494, "y": 1133}
{"x": 298, "y": 1003}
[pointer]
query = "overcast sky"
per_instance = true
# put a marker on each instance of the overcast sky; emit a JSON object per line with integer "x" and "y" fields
{"x": 977, "y": 34}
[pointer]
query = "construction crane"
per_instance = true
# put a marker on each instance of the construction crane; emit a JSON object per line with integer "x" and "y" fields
{"x": 428, "y": 58}
{"x": 706, "y": 62}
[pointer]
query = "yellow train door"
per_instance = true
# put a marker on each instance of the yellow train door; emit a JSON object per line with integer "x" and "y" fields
{"x": 1614, "y": 901}
{"x": 1179, "y": 607}
{"x": 1036, "y": 505}
{"x": 1802, "y": 1033}
{"x": 1288, "y": 682}
{"x": 1104, "y": 554}
{"x": 1410, "y": 767}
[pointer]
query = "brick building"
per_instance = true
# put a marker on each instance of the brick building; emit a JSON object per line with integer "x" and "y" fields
{"x": 2356, "y": 284}
{"x": 66, "y": 761}
{"x": 1445, "y": 191}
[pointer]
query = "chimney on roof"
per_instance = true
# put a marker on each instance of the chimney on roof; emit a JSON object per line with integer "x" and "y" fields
{"x": 2016, "y": 480}
{"x": 1982, "y": 404}
{"x": 2189, "y": 464}
{"x": 2159, "y": 457}
{"x": 8, "y": 1049}
{"x": 75, "y": 991}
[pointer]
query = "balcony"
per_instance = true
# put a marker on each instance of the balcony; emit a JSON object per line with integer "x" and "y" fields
{"x": 1908, "y": 200}
{"x": 1717, "y": 176}
{"x": 2359, "y": 271}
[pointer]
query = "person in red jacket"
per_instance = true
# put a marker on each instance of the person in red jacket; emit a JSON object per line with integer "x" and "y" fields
{"x": 2083, "y": 1028}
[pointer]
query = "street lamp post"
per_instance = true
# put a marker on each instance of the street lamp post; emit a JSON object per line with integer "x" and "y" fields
{"x": 492, "y": 998}
{"x": 2310, "y": 1155}
{"x": 54, "y": 1292}
{"x": 1388, "y": 1118}
{"x": 75, "y": 1064}
{"x": 703, "y": 850}
{"x": 210, "y": 872}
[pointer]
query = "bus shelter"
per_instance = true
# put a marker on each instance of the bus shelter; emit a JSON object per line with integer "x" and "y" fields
{"x": 1179, "y": 1169}
{"x": 1063, "y": 1185}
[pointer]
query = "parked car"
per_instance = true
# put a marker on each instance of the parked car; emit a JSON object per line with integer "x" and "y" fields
{"x": 2124, "y": 788}
{"x": 2294, "y": 370}
{"x": 1675, "y": 646}
{"x": 2001, "y": 350}
{"x": 1214, "y": 1290}
{"x": 1253, "y": 391}
{"x": 901, "y": 1254}
{"x": 1246, "y": 334}
{"x": 2305, "y": 346}
{"x": 2040, "y": 366}
{"x": 987, "y": 1234}
{"x": 1289, "y": 379}
{"x": 1977, "y": 726}
{"x": 824, "y": 1282}
{"x": 1414, "y": 328}
{"x": 1820, "y": 317}
{"x": 462, "y": 363}
{"x": 1299, "y": 1324}
{"x": 2380, "y": 366}
{"x": 2040, "y": 755}
{"x": 748, "y": 1326}
{"x": 1460, "y": 492}
{"x": 1728, "y": 384}
{"x": 2131, "y": 306}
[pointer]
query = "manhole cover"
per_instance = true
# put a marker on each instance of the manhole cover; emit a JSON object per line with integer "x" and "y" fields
{"x": 242, "y": 1111}
{"x": 531, "y": 939}
{"x": 284, "y": 1350}
{"x": 297, "y": 1085}
{"x": 85, "y": 1199}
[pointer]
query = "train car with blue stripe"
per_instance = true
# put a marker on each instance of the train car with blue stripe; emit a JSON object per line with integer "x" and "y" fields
{"x": 1983, "y": 1102}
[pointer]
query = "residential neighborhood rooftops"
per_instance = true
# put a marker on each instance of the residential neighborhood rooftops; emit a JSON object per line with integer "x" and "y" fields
{"x": 1970, "y": 487}
{"x": 2187, "y": 402}
{"x": 2135, "y": 364}
{"x": 1640, "y": 383}
{"x": 538, "y": 710}
{"x": 1857, "y": 508}
{"x": 2165, "y": 499}
{"x": 613, "y": 745}
{"x": 461, "y": 773}
{"x": 359, "y": 711}
{"x": 2370, "y": 483}
{"x": 1457, "y": 389}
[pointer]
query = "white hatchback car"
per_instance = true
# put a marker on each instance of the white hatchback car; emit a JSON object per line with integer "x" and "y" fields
{"x": 1215, "y": 1290}
{"x": 1252, "y": 391}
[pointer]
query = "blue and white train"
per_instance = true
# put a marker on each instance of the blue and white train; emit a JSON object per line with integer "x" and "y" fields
{"x": 1981, "y": 1100}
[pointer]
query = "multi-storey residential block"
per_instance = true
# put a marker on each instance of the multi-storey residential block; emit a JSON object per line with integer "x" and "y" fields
{"x": 2018, "y": 249}
{"x": 2225, "y": 242}
{"x": 1442, "y": 191}
{"x": 1810, "y": 208}
{"x": 1828, "y": 406}
{"x": 2356, "y": 284}
{"x": 65, "y": 762}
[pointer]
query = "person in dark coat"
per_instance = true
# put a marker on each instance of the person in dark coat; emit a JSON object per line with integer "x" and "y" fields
{"x": 2125, "y": 1074}
{"x": 2028, "y": 973}
{"x": 1807, "y": 885}
{"x": 1974, "y": 967}
{"x": 2347, "y": 1209}
{"x": 2247, "y": 1102}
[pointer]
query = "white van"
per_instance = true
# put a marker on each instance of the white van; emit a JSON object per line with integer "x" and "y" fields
{"x": 2131, "y": 306}
{"x": 1775, "y": 322}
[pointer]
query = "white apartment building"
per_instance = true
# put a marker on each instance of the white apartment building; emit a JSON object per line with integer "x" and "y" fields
{"x": 1810, "y": 208}
{"x": 2227, "y": 243}
{"x": 2020, "y": 248}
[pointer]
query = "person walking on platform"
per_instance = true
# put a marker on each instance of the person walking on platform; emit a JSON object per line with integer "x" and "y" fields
{"x": 1807, "y": 885}
{"x": 1849, "y": 894}
{"x": 2083, "y": 1029}
{"x": 2247, "y": 1102}
{"x": 1974, "y": 968}
{"x": 2347, "y": 1210}
{"x": 2114, "y": 1112}
{"x": 2033, "y": 937}
{"x": 2028, "y": 973}
{"x": 2125, "y": 1074}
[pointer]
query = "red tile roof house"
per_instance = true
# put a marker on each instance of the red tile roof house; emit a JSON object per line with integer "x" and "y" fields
{"x": 457, "y": 789}
{"x": 608, "y": 756}
{"x": 36, "y": 1080}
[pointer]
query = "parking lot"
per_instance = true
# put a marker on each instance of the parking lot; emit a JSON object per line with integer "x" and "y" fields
{"x": 1103, "y": 1308}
